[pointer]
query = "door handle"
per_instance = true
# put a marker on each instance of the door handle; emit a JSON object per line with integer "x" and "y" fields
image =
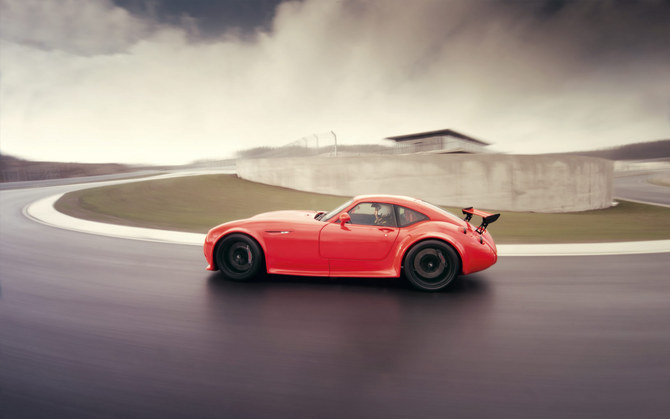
{"x": 386, "y": 230}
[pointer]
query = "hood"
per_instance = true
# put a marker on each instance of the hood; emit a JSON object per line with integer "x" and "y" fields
{"x": 288, "y": 215}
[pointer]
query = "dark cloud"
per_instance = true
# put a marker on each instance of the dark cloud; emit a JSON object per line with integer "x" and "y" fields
{"x": 208, "y": 19}
{"x": 100, "y": 78}
{"x": 610, "y": 30}
{"x": 602, "y": 28}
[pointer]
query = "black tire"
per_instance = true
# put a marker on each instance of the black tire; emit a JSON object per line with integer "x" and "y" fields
{"x": 239, "y": 257}
{"x": 431, "y": 265}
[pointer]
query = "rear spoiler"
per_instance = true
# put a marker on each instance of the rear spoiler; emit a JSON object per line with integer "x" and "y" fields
{"x": 487, "y": 218}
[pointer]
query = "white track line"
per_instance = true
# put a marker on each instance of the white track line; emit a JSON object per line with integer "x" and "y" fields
{"x": 44, "y": 212}
{"x": 585, "y": 249}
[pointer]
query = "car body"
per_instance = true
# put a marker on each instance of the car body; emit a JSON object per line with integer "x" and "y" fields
{"x": 368, "y": 236}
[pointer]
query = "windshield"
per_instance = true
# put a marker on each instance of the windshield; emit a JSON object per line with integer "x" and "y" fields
{"x": 327, "y": 216}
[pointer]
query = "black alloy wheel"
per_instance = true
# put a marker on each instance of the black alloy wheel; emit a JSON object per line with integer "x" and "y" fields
{"x": 431, "y": 265}
{"x": 239, "y": 257}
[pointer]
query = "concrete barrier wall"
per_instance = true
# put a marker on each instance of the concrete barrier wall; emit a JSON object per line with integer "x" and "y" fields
{"x": 546, "y": 183}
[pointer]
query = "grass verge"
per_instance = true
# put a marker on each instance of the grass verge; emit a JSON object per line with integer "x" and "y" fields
{"x": 193, "y": 203}
{"x": 197, "y": 203}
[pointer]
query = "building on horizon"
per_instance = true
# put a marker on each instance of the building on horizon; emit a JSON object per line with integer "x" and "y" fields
{"x": 439, "y": 142}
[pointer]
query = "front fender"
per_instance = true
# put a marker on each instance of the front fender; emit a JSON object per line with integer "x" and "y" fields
{"x": 216, "y": 234}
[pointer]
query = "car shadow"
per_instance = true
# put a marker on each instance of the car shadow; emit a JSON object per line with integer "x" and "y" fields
{"x": 464, "y": 285}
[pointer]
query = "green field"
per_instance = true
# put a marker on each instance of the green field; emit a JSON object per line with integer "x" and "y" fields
{"x": 197, "y": 203}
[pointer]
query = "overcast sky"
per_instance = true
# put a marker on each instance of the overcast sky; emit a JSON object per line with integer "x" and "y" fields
{"x": 171, "y": 81}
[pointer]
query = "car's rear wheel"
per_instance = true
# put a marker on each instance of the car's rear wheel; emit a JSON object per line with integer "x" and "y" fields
{"x": 239, "y": 257}
{"x": 431, "y": 265}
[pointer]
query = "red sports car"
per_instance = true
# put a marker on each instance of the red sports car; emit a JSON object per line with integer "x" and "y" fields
{"x": 368, "y": 236}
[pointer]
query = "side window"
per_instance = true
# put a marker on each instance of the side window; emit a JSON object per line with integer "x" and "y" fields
{"x": 373, "y": 214}
{"x": 407, "y": 217}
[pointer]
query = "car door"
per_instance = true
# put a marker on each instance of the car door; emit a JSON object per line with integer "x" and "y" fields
{"x": 294, "y": 248}
{"x": 369, "y": 235}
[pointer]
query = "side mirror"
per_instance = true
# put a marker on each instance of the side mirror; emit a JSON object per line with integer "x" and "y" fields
{"x": 344, "y": 218}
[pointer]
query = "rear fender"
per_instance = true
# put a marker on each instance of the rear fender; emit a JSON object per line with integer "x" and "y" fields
{"x": 410, "y": 241}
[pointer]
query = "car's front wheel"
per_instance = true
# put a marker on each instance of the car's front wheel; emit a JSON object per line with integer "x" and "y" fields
{"x": 239, "y": 257}
{"x": 431, "y": 265}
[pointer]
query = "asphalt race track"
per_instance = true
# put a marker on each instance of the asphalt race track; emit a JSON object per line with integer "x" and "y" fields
{"x": 98, "y": 327}
{"x": 635, "y": 187}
